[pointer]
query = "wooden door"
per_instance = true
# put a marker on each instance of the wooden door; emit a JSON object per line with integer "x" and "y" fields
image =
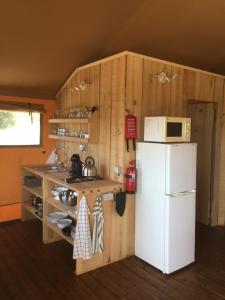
{"x": 202, "y": 132}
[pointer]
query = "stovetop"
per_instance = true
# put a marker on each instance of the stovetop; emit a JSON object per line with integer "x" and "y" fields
{"x": 74, "y": 179}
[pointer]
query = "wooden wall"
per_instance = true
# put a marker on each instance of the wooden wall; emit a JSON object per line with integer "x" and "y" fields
{"x": 221, "y": 193}
{"x": 125, "y": 83}
{"x": 107, "y": 91}
{"x": 146, "y": 96}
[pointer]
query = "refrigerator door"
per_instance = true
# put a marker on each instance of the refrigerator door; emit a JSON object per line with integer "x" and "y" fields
{"x": 150, "y": 203}
{"x": 180, "y": 167}
{"x": 179, "y": 231}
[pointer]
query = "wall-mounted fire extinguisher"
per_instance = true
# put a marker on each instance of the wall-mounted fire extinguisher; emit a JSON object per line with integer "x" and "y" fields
{"x": 131, "y": 177}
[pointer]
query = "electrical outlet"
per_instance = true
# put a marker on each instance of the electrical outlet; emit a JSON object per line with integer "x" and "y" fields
{"x": 117, "y": 170}
{"x": 107, "y": 197}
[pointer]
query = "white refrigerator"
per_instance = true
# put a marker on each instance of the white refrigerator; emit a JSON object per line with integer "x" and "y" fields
{"x": 165, "y": 204}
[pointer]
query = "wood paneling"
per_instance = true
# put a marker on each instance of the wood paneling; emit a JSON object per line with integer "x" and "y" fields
{"x": 219, "y": 208}
{"x": 105, "y": 119}
{"x": 126, "y": 83}
{"x": 178, "y": 102}
{"x": 117, "y": 117}
{"x": 221, "y": 202}
{"x": 202, "y": 124}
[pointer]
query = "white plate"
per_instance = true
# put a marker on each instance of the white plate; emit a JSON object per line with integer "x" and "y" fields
{"x": 56, "y": 216}
{"x": 63, "y": 223}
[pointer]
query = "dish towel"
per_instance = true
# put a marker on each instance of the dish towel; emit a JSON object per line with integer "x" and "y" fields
{"x": 97, "y": 235}
{"x": 82, "y": 242}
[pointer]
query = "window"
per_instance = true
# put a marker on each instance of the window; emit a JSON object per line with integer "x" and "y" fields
{"x": 20, "y": 128}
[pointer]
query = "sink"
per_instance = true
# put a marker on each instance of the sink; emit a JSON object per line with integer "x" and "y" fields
{"x": 50, "y": 169}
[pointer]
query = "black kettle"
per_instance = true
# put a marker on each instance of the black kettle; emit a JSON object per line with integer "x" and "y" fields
{"x": 76, "y": 169}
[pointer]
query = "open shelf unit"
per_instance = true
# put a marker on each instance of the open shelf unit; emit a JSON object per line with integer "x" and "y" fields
{"x": 52, "y": 233}
{"x": 62, "y": 207}
{"x": 37, "y": 191}
{"x": 28, "y": 192}
{"x": 27, "y": 205}
{"x": 90, "y": 126}
{"x": 57, "y": 230}
{"x": 68, "y": 121}
{"x": 68, "y": 138}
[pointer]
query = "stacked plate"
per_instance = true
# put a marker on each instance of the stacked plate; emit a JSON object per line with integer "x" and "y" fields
{"x": 56, "y": 216}
{"x": 63, "y": 223}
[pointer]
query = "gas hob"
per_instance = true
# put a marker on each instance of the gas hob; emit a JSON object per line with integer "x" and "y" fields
{"x": 74, "y": 179}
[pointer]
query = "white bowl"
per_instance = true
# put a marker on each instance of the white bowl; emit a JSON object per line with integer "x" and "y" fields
{"x": 56, "y": 216}
{"x": 63, "y": 223}
{"x": 57, "y": 190}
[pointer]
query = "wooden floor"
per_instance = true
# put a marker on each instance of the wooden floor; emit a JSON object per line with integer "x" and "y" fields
{"x": 31, "y": 270}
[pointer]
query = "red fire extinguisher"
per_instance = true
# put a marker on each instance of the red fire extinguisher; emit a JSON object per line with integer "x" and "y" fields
{"x": 131, "y": 174}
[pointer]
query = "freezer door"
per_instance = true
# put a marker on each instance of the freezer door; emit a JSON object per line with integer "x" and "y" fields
{"x": 179, "y": 231}
{"x": 180, "y": 167}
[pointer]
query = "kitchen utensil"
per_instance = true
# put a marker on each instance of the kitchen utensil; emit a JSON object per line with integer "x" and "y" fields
{"x": 60, "y": 191}
{"x": 70, "y": 229}
{"x": 90, "y": 110}
{"x": 32, "y": 181}
{"x": 67, "y": 230}
{"x": 89, "y": 168}
{"x": 40, "y": 210}
{"x": 56, "y": 216}
{"x": 35, "y": 201}
{"x": 70, "y": 198}
{"x": 76, "y": 169}
{"x": 63, "y": 223}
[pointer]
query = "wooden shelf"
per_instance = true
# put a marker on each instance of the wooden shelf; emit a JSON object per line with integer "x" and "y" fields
{"x": 59, "y": 205}
{"x": 31, "y": 209}
{"x": 57, "y": 230}
{"x": 68, "y": 121}
{"x": 91, "y": 126}
{"x": 50, "y": 231}
{"x": 37, "y": 191}
{"x": 68, "y": 138}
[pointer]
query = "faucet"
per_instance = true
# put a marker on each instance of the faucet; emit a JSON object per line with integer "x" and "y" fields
{"x": 58, "y": 161}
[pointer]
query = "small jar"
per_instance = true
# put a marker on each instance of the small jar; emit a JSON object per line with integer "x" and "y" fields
{"x": 63, "y": 131}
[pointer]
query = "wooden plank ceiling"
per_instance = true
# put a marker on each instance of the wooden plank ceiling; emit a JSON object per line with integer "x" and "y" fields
{"x": 42, "y": 42}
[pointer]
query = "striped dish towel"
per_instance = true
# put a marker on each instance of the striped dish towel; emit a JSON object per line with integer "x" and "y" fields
{"x": 97, "y": 234}
{"x": 82, "y": 242}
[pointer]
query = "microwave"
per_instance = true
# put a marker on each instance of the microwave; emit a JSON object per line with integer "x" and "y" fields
{"x": 167, "y": 129}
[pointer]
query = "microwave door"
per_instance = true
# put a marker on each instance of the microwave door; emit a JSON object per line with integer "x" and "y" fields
{"x": 174, "y": 129}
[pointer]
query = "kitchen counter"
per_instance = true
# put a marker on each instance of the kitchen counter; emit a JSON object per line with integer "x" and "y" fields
{"x": 81, "y": 187}
{"x": 118, "y": 231}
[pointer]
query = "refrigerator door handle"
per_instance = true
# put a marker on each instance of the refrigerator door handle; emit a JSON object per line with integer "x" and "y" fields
{"x": 184, "y": 193}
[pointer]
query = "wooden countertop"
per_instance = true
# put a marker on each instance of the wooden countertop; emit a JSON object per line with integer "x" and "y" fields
{"x": 104, "y": 185}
